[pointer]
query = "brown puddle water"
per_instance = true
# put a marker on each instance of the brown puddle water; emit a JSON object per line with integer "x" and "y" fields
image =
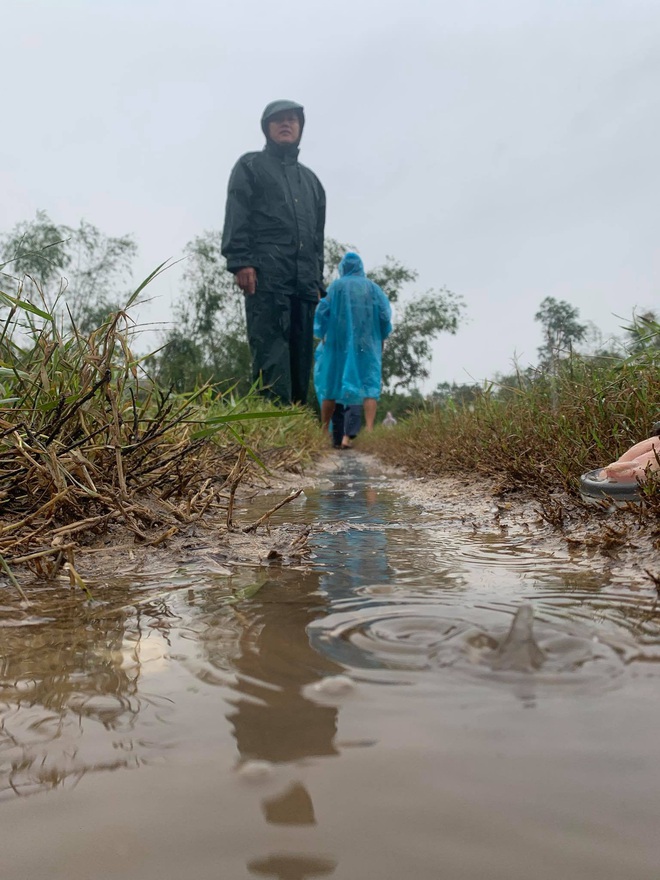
{"x": 346, "y": 721}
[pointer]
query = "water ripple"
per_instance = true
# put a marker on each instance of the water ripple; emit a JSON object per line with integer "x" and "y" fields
{"x": 428, "y": 634}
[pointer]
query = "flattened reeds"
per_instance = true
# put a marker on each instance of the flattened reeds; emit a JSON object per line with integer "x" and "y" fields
{"x": 88, "y": 443}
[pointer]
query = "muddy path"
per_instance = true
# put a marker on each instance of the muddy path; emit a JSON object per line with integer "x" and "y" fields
{"x": 610, "y": 543}
{"x": 350, "y": 709}
{"x": 614, "y": 544}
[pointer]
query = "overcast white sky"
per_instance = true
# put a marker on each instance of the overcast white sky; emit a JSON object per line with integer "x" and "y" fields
{"x": 507, "y": 149}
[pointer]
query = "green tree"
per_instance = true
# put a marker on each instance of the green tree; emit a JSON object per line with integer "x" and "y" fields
{"x": 401, "y": 406}
{"x": 409, "y": 349}
{"x": 509, "y": 386}
{"x": 333, "y": 251}
{"x": 453, "y": 393}
{"x": 561, "y": 330}
{"x": 208, "y": 341}
{"x": 418, "y": 320}
{"x": 76, "y": 272}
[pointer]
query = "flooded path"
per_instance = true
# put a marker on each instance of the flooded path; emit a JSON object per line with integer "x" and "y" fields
{"x": 356, "y": 717}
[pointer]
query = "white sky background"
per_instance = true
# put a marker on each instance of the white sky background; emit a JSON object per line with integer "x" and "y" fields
{"x": 507, "y": 149}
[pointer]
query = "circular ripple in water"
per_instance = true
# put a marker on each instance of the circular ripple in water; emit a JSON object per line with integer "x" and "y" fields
{"x": 427, "y": 636}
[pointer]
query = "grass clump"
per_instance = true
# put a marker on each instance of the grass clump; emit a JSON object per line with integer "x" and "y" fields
{"x": 89, "y": 444}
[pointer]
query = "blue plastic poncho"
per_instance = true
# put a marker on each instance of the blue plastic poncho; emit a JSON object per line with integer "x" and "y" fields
{"x": 352, "y": 321}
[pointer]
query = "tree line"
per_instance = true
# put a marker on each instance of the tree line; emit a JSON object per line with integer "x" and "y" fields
{"x": 82, "y": 275}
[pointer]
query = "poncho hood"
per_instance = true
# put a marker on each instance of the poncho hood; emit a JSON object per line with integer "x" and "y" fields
{"x": 351, "y": 264}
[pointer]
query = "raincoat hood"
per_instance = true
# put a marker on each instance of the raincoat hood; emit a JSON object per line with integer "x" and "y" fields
{"x": 351, "y": 264}
{"x": 276, "y": 107}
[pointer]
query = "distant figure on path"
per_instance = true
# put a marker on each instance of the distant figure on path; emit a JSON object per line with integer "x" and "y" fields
{"x": 273, "y": 242}
{"x": 352, "y": 322}
{"x": 389, "y": 421}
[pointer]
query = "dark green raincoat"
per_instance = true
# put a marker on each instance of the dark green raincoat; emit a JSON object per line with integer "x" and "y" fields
{"x": 274, "y": 222}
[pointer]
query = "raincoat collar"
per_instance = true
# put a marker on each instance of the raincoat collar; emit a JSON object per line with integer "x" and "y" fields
{"x": 287, "y": 153}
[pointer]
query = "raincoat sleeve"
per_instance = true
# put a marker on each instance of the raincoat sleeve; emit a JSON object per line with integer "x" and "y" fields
{"x": 236, "y": 234}
{"x": 322, "y": 316}
{"x": 320, "y": 231}
{"x": 384, "y": 313}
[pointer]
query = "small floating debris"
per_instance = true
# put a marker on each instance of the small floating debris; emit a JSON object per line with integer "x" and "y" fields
{"x": 256, "y": 771}
{"x": 334, "y": 685}
{"x": 292, "y": 865}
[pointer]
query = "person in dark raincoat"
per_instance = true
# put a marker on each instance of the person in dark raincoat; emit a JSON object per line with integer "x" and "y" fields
{"x": 273, "y": 242}
{"x": 352, "y": 322}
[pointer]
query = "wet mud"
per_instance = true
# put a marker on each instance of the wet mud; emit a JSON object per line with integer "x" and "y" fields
{"x": 429, "y": 684}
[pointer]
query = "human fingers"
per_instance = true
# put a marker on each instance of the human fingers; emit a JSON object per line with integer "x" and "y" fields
{"x": 246, "y": 279}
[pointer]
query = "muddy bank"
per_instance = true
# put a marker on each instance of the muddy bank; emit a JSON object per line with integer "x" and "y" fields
{"x": 264, "y": 531}
{"x": 615, "y": 542}
{"x": 218, "y": 542}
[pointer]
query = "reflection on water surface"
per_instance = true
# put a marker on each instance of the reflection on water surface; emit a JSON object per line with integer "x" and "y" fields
{"x": 348, "y": 720}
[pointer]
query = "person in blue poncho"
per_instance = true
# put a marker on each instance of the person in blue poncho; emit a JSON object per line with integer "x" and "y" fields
{"x": 352, "y": 322}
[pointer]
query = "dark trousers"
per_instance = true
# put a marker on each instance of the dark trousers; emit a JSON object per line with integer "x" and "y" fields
{"x": 281, "y": 337}
{"x": 346, "y": 420}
